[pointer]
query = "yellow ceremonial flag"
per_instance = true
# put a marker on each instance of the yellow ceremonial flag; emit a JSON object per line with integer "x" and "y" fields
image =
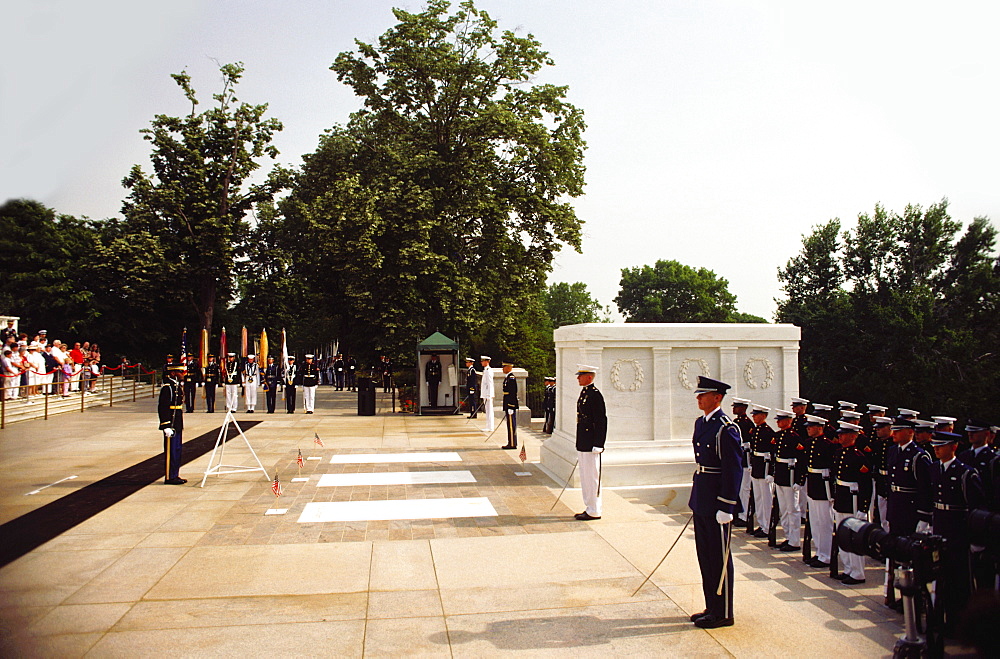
{"x": 204, "y": 347}
{"x": 263, "y": 346}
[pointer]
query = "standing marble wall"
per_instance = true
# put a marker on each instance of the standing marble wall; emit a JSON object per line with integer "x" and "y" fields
{"x": 648, "y": 374}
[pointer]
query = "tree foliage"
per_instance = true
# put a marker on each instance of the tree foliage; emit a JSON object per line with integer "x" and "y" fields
{"x": 442, "y": 202}
{"x": 898, "y": 310}
{"x": 195, "y": 202}
{"x": 569, "y": 304}
{"x": 671, "y": 292}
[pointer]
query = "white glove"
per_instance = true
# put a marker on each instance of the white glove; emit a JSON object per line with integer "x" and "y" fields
{"x": 863, "y": 516}
{"x": 723, "y": 518}
{"x": 769, "y": 479}
{"x": 924, "y": 527}
{"x": 598, "y": 449}
{"x": 168, "y": 432}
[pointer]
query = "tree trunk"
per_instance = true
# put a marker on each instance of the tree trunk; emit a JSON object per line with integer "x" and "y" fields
{"x": 206, "y": 305}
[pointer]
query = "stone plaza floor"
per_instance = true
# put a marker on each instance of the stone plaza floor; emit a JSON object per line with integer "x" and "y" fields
{"x": 339, "y": 566}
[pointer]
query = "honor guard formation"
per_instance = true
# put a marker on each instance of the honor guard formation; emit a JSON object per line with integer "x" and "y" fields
{"x": 907, "y": 476}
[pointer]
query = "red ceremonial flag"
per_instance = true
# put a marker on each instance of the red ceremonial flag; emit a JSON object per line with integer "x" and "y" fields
{"x": 317, "y": 441}
{"x": 299, "y": 459}
{"x": 276, "y": 488}
{"x": 523, "y": 455}
{"x": 243, "y": 343}
{"x": 222, "y": 347}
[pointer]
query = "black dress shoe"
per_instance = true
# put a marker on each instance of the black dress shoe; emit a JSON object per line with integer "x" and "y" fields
{"x": 711, "y": 621}
{"x": 695, "y": 616}
{"x": 175, "y": 481}
{"x": 508, "y": 447}
{"x": 788, "y": 547}
{"x": 848, "y": 580}
{"x": 816, "y": 563}
{"x": 739, "y": 521}
{"x": 839, "y": 576}
{"x": 309, "y": 412}
{"x": 585, "y": 516}
{"x": 759, "y": 533}
{"x": 249, "y": 411}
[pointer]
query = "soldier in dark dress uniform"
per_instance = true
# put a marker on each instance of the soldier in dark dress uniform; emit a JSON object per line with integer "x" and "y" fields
{"x": 826, "y": 411}
{"x": 191, "y": 379}
{"x": 956, "y": 489}
{"x": 714, "y": 501}
{"x": 880, "y": 441}
{"x": 432, "y": 376}
{"x": 762, "y": 447}
{"x": 549, "y": 405}
{"x": 385, "y": 370}
{"x": 271, "y": 377}
{"x": 213, "y": 376}
{"x": 923, "y": 433}
{"x": 339, "y": 373}
{"x": 291, "y": 379}
{"x": 852, "y": 495}
{"x": 789, "y": 475}
{"x": 471, "y": 387}
{"x": 982, "y": 457}
{"x": 170, "y": 409}
{"x": 351, "y": 365}
{"x": 868, "y": 420}
{"x": 510, "y": 405}
{"x": 746, "y": 427}
{"x": 908, "y": 509}
{"x": 591, "y": 435}
{"x": 819, "y": 489}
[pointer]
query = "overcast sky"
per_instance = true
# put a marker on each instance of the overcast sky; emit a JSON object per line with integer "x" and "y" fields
{"x": 718, "y": 132}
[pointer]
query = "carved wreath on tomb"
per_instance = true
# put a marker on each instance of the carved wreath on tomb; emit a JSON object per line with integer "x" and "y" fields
{"x": 682, "y": 372}
{"x": 768, "y": 372}
{"x": 636, "y": 383}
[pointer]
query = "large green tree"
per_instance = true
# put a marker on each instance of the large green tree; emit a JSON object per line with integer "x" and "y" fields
{"x": 671, "y": 292}
{"x": 195, "y": 202}
{"x": 442, "y": 202}
{"x": 569, "y": 304}
{"x": 899, "y": 310}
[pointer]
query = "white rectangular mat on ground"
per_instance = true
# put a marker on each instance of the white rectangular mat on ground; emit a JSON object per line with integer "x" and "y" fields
{"x": 356, "y": 511}
{"x": 364, "y": 458}
{"x": 396, "y": 478}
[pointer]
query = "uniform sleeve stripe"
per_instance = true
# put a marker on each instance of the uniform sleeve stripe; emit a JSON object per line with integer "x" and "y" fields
{"x": 731, "y": 503}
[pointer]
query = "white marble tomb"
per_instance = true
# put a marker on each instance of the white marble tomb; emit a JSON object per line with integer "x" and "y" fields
{"x": 648, "y": 372}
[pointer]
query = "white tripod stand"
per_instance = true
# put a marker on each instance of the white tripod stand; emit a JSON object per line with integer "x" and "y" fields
{"x": 220, "y": 447}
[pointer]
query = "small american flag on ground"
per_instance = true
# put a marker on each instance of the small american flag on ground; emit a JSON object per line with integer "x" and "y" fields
{"x": 523, "y": 454}
{"x": 276, "y": 487}
{"x": 317, "y": 441}
{"x": 298, "y": 460}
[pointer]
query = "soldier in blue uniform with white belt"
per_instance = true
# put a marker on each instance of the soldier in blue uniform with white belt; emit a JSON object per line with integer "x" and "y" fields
{"x": 956, "y": 489}
{"x": 510, "y": 405}
{"x": 170, "y": 409}
{"x": 714, "y": 500}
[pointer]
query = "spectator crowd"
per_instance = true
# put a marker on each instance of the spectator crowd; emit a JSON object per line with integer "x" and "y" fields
{"x": 37, "y": 366}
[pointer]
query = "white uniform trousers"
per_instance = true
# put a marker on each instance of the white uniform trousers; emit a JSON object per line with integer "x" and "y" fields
{"x": 250, "y": 394}
{"x": 745, "y": 491}
{"x": 854, "y": 565}
{"x": 791, "y": 520}
{"x": 309, "y": 398}
{"x": 762, "y": 497}
{"x": 590, "y": 481}
{"x": 232, "y": 397}
{"x": 821, "y": 521}
{"x": 883, "y": 508}
{"x": 488, "y": 412}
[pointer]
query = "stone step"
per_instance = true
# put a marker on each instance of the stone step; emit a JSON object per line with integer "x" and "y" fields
{"x": 21, "y": 410}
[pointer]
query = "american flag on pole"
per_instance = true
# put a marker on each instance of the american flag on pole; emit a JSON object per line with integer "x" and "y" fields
{"x": 317, "y": 440}
{"x": 276, "y": 487}
{"x": 523, "y": 454}
{"x": 298, "y": 460}
{"x": 184, "y": 343}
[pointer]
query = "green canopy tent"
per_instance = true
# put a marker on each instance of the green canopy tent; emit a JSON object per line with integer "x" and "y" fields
{"x": 447, "y": 391}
